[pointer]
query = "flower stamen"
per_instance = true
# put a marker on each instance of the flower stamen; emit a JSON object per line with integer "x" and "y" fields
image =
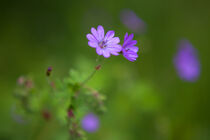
{"x": 102, "y": 44}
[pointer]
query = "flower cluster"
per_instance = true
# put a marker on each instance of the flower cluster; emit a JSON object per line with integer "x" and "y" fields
{"x": 108, "y": 45}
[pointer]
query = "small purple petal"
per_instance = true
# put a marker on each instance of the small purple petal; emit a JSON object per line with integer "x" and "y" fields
{"x": 95, "y": 34}
{"x": 114, "y": 53}
{"x": 92, "y": 44}
{"x": 186, "y": 62}
{"x": 109, "y": 35}
{"x": 100, "y": 30}
{"x": 90, "y": 37}
{"x": 131, "y": 43}
{"x": 106, "y": 54}
{"x": 114, "y": 48}
{"x": 112, "y": 41}
{"x": 90, "y": 123}
{"x": 133, "y": 48}
{"x": 130, "y": 55}
{"x": 99, "y": 51}
{"x": 126, "y": 36}
{"x": 129, "y": 38}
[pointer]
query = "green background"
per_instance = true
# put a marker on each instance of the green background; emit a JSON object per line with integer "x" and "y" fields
{"x": 146, "y": 100}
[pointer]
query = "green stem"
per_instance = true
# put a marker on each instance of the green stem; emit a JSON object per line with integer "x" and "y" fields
{"x": 94, "y": 72}
{"x": 89, "y": 77}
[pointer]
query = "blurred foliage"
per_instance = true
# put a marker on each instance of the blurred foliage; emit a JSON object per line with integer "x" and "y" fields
{"x": 62, "y": 102}
{"x": 145, "y": 99}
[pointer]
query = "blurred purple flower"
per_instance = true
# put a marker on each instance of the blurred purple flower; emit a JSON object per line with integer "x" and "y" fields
{"x": 129, "y": 49}
{"x": 132, "y": 21}
{"x": 90, "y": 123}
{"x": 105, "y": 45}
{"x": 186, "y": 62}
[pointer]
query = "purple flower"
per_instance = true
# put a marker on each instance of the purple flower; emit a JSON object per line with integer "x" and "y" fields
{"x": 105, "y": 45}
{"x": 90, "y": 123}
{"x": 132, "y": 21}
{"x": 186, "y": 62}
{"x": 129, "y": 50}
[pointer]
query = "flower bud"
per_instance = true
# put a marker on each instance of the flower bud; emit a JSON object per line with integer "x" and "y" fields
{"x": 46, "y": 115}
{"x": 98, "y": 67}
{"x": 49, "y": 70}
{"x": 70, "y": 113}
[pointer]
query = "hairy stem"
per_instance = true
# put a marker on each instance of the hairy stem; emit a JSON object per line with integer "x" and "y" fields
{"x": 89, "y": 77}
{"x": 100, "y": 62}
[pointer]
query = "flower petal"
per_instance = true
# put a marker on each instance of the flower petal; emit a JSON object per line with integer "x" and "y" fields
{"x": 130, "y": 55}
{"x": 128, "y": 39}
{"x": 90, "y": 37}
{"x": 114, "y": 48}
{"x": 133, "y": 48}
{"x": 93, "y": 44}
{"x": 95, "y": 33}
{"x": 99, "y": 51}
{"x": 114, "y": 53}
{"x": 126, "y": 36}
{"x": 109, "y": 35}
{"x": 114, "y": 40}
{"x": 130, "y": 43}
{"x": 106, "y": 53}
{"x": 100, "y": 30}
